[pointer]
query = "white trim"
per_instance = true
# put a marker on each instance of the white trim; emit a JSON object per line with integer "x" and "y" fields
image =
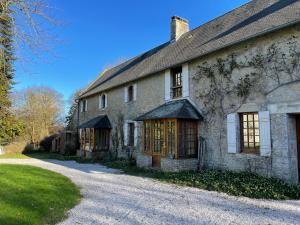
{"x": 134, "y": 92}
{"x": 86, "y": 105}
{"x": 232, "y": 133}
{"x": 168, "y": 85}
{"x": 126, "y": 94}
{"x": 81, "y": 106}
{"x": 185, "y": 80}
{"x": 106, "y": 100}
{"x": 136, "y": 132}
{"x": 100, "y": 101}
{"x": 125, "y": 131}
{"x": 265, "y": 133}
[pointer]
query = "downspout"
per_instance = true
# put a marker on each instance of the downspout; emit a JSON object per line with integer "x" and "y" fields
{"x": 201, "y": 150}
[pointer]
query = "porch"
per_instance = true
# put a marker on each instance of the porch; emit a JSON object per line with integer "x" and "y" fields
{"x": 94, "y": 137}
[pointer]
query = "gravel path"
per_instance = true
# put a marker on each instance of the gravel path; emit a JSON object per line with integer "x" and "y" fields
{"x": 110, "y": 197}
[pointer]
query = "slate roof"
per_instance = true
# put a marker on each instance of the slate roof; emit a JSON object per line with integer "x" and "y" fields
{"x": 180, "y": 109}
{"x": 252, "y": 19}
{"x": 100, "y": 122}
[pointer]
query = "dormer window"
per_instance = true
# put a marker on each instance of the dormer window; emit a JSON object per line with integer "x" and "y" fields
{"x": 176, "y": 74}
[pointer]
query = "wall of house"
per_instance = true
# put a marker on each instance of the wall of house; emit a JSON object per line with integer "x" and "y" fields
{"x": 150, "y": 94}
{"x": 282, "y": 103}
{"x": 281, "y": 99}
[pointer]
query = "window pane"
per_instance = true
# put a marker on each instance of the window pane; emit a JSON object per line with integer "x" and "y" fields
{"x": 250, "y": 132}
{"x": 250, "y": 117}
{"x": 188, "y": 146}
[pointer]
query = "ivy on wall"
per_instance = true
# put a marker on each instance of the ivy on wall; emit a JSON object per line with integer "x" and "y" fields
{"x": 227, "y": 82}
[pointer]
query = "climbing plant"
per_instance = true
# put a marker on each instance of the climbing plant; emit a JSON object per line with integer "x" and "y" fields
{"x": 227, "y": 82}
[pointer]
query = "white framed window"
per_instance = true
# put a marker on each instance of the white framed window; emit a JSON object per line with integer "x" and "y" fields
{"x": 249, "y": 133}
{"x": 102, "y": 101}
{"x": 130, "y": 93}
{"x": 177, "y": 82}
{"x": 131, "y": 129}
{"x": 83, "y": 105}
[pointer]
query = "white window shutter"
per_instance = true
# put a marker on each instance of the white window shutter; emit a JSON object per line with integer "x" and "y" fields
{"x": 125, "y": 94}
{"x": 86, "y": 105}
{"x": 232, "y": 133}
{"x": 265, "y": 133}
{"x": 125, "y": 133}
{"x": 134, "y": 92}
{"x": 105, "y": 100}
{"x": 185, "y": 80}
{"x": 136, "y": 132}
{"x": 167, "y": 85}
{"x": 81, "y": 106}
{"x": 100, "y": 101}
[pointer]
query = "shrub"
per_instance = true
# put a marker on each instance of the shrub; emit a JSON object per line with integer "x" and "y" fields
{"x": 70, "y": 149}
{"x": 46, "y": 143}
{"x": 28, "y": 148}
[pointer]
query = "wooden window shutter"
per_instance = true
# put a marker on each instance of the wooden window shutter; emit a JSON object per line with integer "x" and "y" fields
{"x": 134, "y": 92}
{"x": 125, "y": 94}
{"x": 232, "y": 133}
{"x": 185, "y": 80}
{"x": 167, "y": 85}
{"x": 125, "y": 130}
{"x": 265, "y": 133}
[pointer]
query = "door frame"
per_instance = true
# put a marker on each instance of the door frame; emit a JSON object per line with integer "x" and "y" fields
{"x": 297, "y": 117}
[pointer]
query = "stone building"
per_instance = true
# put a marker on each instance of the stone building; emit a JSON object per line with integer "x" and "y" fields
{"x": 224, "y": 95}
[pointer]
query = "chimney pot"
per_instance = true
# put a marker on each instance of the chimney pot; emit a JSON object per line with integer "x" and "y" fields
{"x": 179, "y": 26}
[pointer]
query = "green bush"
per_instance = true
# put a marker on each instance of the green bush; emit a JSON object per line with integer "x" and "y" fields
{"x": 233, "y": 183}
{"x": 46, "y": 143}
{"x": 70, "y": 149}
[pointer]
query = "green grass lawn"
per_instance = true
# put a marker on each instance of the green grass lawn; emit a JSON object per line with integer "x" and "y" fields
{"x": 13, "y": 156}
{"x": 34, "y": 196}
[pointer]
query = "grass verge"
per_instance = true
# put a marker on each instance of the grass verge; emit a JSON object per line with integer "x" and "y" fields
{"x": 34, "y": 196}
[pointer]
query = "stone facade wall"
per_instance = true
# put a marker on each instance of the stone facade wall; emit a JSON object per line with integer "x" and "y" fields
{"x": 150, "y": 94}
{"x": 282, "y": 100}
{"x": 172, "y": 165}
{"x": 168, "y": 165}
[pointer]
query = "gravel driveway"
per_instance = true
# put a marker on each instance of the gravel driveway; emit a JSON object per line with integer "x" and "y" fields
{"x": 110, "y": 197}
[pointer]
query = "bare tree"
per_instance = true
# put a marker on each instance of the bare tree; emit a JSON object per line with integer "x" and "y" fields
{"x": 31, "y": 21}
{"x": 41, "y": 110}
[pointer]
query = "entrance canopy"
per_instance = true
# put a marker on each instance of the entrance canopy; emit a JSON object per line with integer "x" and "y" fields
{"x": 100, "y": 122}
{"x": 179, "y": 109}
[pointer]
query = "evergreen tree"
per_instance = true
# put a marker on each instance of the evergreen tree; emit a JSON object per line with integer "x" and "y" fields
{"x": 9, "y": 126}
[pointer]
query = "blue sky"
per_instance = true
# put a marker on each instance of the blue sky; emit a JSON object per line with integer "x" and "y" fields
{"x": 100, "y": 33}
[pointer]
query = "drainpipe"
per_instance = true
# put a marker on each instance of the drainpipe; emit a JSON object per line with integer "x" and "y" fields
{"x": 201, "y": 149}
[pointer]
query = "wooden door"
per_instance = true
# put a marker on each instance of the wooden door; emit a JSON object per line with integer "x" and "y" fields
{"x": 298, "y": 143}
{"x": 156, "y": 161}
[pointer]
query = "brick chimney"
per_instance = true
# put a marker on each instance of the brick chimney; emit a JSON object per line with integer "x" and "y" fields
{"x": 179, "y": 26}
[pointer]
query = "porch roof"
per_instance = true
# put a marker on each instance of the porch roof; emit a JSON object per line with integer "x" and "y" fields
{"x": 179, "y": 109}
{"x": 100, "y": 122}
